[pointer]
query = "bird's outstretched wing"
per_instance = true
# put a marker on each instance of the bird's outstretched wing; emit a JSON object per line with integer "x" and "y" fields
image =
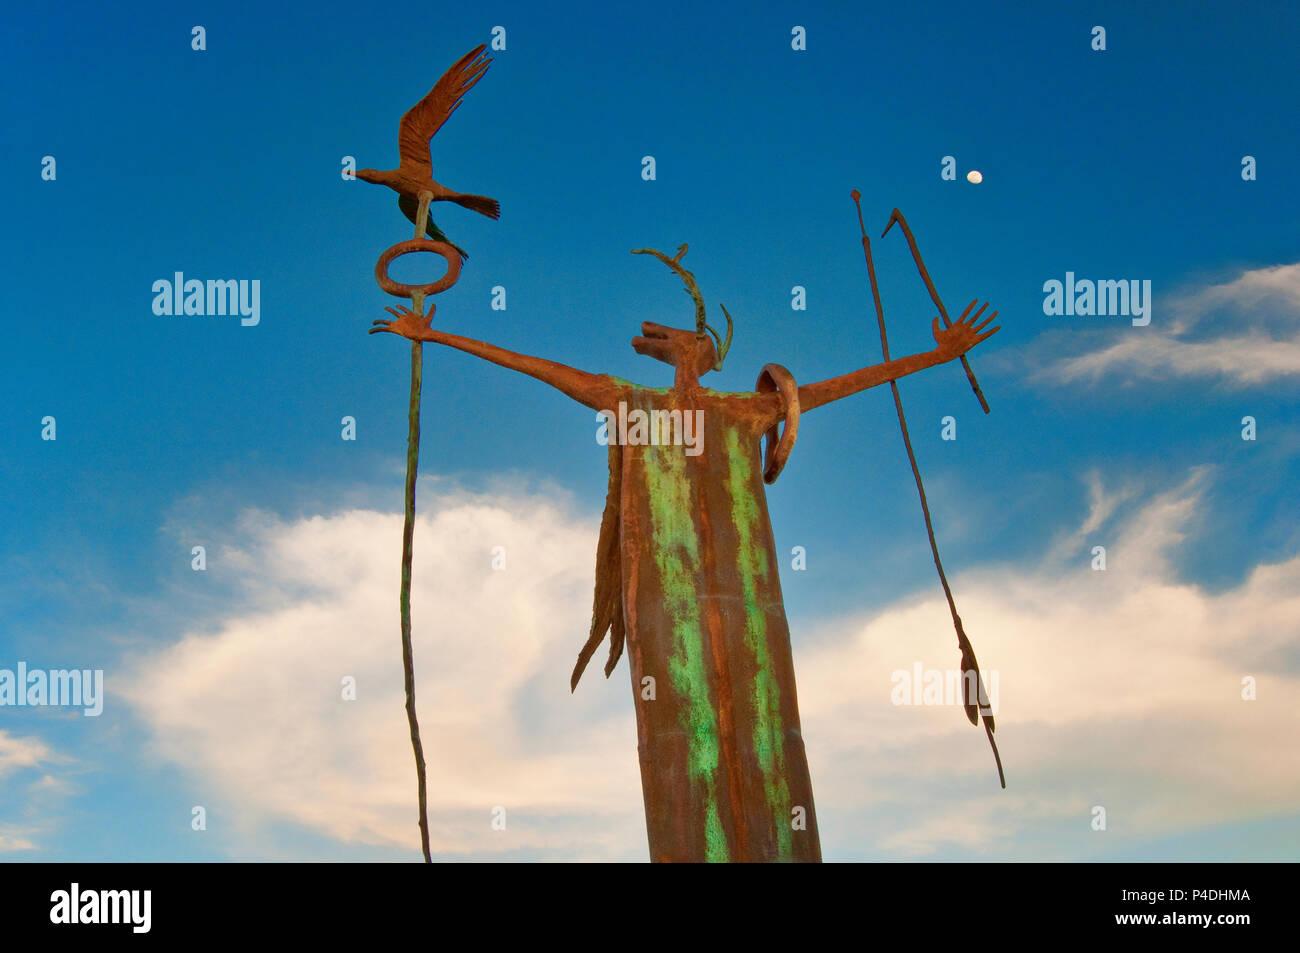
{"x": 427, "y": 116}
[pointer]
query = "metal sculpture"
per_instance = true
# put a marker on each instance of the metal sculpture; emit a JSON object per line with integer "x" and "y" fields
{"x": 686, "y": 579}
{"x": 414, "y": 174}
{"x": 686, "y": 565}
{"x": 416, "y": 188}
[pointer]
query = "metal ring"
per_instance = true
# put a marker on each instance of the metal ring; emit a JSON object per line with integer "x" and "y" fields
{"x": 774, "y": 377}
{"x": 413, "y": 245}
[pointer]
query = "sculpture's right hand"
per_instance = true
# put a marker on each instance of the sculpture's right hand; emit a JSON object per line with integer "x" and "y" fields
{"x": 409, "y": 324}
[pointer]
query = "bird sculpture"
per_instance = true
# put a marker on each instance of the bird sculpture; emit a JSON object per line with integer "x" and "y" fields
{"x": 414, "y": 173}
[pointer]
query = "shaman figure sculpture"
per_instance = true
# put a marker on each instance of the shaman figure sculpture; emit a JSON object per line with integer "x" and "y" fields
{"x": 686, "y": 566}
{"x": 686, "y": 578}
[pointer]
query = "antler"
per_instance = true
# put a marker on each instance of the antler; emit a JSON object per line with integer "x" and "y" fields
{"x": 688, "y": 279}
{"x": 719, "y": 345}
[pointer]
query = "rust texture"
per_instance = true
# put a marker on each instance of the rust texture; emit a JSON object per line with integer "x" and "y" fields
{"x": 414, "y": 173}
{"x": 774, "y": 377}
{"x": 687, "y": 581}
{"x": 416, "y": 188}
{"x": 414, "y": 245}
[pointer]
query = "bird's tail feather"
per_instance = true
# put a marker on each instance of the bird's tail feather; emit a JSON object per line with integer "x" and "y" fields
{"x": 479, "y": 203}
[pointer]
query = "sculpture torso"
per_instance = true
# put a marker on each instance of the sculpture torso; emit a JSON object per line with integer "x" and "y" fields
{"x": 704, "y": 618}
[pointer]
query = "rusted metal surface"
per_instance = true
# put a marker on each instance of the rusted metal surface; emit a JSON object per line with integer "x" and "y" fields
{"x": 416, "y": 188}
{"x": 723, "y": 769}
{"x": 774, "y": 377}
{"x": 687, "y": 583}
{"x": 692, "y": 287}
{"x": 416, "y": 245}
{"x": 414, "y": 173}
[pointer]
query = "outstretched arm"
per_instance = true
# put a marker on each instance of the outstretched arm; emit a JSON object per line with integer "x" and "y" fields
{"x": 952, "y": 343}
{"x": 597, "y": 391}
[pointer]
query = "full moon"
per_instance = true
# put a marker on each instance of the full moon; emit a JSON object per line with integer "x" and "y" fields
{"x": 974, "y": 177}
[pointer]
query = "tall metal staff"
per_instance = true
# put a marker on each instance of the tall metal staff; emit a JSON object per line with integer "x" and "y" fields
{"x": 415, "y": 186}
{"x": 417, "y": 294}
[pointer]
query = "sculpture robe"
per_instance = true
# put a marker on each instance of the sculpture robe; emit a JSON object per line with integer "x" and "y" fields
{"x": 687, "y": 576}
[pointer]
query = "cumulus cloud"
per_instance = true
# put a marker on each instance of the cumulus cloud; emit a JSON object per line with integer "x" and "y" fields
{"x": 1119, "y": 688}
{"x": 1242, "y": 332}
{"x": 254, "y": 710}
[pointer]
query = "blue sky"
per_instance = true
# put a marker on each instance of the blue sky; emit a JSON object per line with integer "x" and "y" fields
{"x": 225, "y": 163}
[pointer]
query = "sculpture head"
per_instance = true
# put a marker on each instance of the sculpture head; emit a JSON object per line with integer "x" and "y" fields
{"x": 692, "y": 353}
{"x": 371, "y": 175}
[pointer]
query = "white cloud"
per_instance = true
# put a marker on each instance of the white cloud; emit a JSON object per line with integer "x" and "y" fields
{"x": 1261, "y": 309}
{"x": 19, "y": 757}
{"x": 18, "y": 752}
{"x": 15, "y": 839}
{"x": 1119, "y": 688}
{"x": 254, "y": 710}
{"x": 1254, "y": 288}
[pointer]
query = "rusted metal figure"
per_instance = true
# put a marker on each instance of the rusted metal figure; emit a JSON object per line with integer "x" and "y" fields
{"x": 686, "y": 578}
{"x": 414, "y": 173}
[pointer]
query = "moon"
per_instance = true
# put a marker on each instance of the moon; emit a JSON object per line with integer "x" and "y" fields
{"x": 974, "y": 177}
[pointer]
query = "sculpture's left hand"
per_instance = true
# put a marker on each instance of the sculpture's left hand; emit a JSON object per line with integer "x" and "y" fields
{"x": 964, "y": 334}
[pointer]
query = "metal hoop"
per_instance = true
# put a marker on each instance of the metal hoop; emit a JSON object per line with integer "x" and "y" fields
{"x": 774, "y": 377}
{"x": 413, "y": 245}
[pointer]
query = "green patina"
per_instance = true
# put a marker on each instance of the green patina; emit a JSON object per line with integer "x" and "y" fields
{"x": 628, "y": 385}
{"x": 768, "y": 739}
{"x": 664, "y": 391}
{"x": 677, "y": 549}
